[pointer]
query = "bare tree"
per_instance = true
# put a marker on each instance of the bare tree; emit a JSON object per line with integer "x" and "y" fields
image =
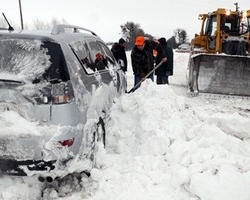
{"x": 3, "y": 23}
{"x": 130, "y": 31}
{"x": 181, "y": 35}
{"x": 36, "y": 24}
{"x": 55, "y": 21}
{"x": 41, "y": 25}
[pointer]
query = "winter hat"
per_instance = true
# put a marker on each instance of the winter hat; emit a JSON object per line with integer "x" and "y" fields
{"x": 162, "y": 41}
{"x": 139, "y": 40}
{"x": 122, "y": 41}
{"x": 99, "y": 56}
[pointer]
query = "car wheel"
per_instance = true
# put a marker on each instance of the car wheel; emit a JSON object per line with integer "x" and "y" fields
{"x": 99, "y": 135}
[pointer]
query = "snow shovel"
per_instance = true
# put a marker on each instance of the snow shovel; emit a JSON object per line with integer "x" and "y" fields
{"x": 133, "y": 89}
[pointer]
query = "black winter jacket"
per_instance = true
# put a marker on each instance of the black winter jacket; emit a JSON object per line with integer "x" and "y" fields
{"x": 120, "y": 53}
{"x": 167, "y": 67}
{"x": 143, "y": 60}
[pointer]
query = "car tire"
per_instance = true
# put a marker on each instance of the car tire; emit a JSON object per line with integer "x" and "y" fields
{"x": 99, "y": 135}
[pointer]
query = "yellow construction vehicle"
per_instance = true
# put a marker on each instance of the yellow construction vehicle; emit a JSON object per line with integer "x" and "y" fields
{"x": 220, "y": 55}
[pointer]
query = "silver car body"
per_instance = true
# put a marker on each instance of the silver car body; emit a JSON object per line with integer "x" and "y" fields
{"x": 53, "y": 100}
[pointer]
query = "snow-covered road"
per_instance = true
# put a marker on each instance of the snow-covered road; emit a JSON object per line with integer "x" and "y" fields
{"x": 161, "y": 145}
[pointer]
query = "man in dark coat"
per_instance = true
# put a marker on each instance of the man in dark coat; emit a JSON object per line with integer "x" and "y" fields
{"x": 142, "y": 58}
{"x": 118, "y": 50}
{"x": 166, "y": 69}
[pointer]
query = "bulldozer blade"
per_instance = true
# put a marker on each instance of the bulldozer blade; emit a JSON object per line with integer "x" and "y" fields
{"x": 219, "y": 74}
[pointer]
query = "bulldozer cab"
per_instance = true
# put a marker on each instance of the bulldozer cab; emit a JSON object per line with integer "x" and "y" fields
{"x": 211, "y": 31}
{"x": 230, "y": 24}
{"x": 220, "y": 25}
{"x": 219, "y": 59}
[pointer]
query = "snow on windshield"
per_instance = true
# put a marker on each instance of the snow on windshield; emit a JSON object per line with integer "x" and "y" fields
{"x": 22, "y": 59}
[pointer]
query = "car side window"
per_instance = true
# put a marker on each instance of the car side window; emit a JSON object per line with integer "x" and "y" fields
{"x": 107, "y": 53}
{"x": 101, "y": 54}
{"x": 82, "y": 52}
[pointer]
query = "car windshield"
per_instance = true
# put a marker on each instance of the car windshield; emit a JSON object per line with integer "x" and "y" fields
{"x": 26, "y": 60}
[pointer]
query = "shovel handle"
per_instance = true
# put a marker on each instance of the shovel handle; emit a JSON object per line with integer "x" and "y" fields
{"x": 157, "y": 66}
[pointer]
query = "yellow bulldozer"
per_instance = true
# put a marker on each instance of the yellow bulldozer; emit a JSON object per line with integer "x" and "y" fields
{"x": 219, "y": 61}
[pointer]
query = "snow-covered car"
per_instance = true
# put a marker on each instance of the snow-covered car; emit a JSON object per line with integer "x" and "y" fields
{"x": 183, "y": 48}
{"x": 54, "y": 100}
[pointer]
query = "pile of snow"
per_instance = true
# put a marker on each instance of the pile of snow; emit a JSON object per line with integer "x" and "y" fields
{"x": 161, "y": 145}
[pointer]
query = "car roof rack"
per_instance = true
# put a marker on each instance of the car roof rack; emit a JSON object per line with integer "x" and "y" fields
{"x": 62, "y": 28}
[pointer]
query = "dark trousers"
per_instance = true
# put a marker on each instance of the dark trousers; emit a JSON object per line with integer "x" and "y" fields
{"x": 161, "y": 79}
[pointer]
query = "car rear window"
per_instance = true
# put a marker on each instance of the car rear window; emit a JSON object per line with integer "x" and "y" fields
{"x": 29, "y": 60}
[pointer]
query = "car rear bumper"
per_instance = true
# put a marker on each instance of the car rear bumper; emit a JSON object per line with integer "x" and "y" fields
{"x": 14, "y": 167}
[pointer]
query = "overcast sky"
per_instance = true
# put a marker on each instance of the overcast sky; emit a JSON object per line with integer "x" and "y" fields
{"x": 158, "y": 18}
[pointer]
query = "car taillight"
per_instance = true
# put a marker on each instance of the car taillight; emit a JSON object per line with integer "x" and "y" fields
{"x": 61, "y": 99}
{"x": 68, "y": 142}
{"x": 62, "y": 93}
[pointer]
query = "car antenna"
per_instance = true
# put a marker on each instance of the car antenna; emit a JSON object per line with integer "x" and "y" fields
{"x": 237, "y": 7}
{"x": 10, "y": 27}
